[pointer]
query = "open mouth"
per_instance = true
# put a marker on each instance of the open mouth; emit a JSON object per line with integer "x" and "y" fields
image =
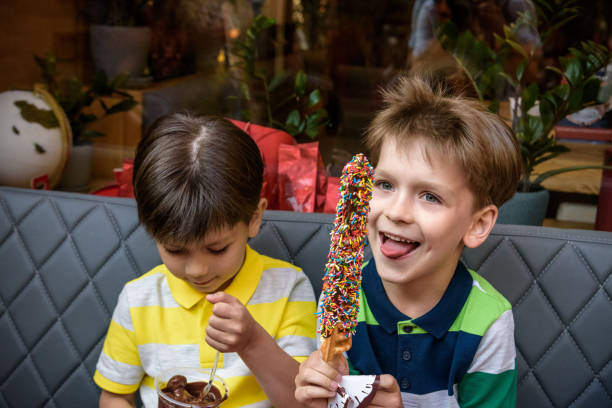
{"x": 394, "y": 246}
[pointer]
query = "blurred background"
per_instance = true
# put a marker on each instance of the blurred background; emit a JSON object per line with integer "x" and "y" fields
{"x": 312, "y": 68}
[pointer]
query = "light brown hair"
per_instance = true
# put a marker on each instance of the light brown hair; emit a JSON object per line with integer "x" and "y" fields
{"x": 193, "y": 174}
{"x": 459, "y": 128}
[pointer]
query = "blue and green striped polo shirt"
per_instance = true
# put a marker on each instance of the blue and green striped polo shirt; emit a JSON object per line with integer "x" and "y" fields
{"x": 459, "y": 354}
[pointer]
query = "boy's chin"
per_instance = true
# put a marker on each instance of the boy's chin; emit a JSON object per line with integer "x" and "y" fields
{"x": 211, "y": 288}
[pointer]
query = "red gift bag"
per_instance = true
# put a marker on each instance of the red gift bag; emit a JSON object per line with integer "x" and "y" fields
{"x": 268, "y": 140}
{"x": 302, "y": 181}
{"x": 333, "y": 195}
{"x": 126, "y": 188}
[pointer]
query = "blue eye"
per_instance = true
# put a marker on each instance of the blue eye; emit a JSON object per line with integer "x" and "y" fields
{"x": 384, "y": 185}
{"x": 429, "y": 197}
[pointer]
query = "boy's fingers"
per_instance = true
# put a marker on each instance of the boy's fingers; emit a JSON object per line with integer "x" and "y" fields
{"x": 388, "y": 394}
{"x": 388, "y": 383}
{"x": 221, "y": 297}
{"x": 311, "y": 393}
{"x": 343, "y": 367}
{"x": 224, "y": 310}
{"x": 308, "y": 377}
{"x": 315, "y": 366}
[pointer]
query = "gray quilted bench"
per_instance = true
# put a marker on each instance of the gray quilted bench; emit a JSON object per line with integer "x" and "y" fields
{"x": 64, "y": 258}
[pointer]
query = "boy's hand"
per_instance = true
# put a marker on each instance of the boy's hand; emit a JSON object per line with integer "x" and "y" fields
{"x": 231, "y": 326}
{"x": 388, "y": 394}
{"x": 317, "y": 380}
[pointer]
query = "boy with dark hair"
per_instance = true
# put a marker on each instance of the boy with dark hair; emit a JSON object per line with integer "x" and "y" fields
{"x": 197, "y": 184}
{"x": 438, "y": 334}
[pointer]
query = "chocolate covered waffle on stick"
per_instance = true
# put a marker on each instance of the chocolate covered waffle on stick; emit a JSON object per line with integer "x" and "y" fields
{"x": 342, "y": 280}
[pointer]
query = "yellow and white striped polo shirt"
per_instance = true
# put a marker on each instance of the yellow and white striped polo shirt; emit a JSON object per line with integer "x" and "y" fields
{"x": 159, "y": 323}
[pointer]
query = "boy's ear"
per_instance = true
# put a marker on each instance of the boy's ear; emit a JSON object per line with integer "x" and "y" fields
{"x": 483, "y": 221}
{"x": 255, "y": 222}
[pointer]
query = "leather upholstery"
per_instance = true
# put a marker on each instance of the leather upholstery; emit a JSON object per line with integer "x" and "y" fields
{"x": 64, "y": 257}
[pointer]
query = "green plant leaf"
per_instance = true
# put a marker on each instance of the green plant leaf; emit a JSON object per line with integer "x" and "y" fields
{"x": 535, "y": 127}
{"x": 314, "y": 98}
{"x": 88, "y": 134}
{"x": 30, "y": 113}
{"x": 576, "y": 101}
{"x": 262, "y": 22}
{"x": 277, "y": 80}
{"x": 122, "y": 106}
{"x": 293, "y": 119}
{"x": 591, "y": 89}
{"x": 509, "y": 80}
{"x": 518, "y": 48}
{"x": 543, "y": 176}
{"x": 562, "y": 91}
{"x": 119, "y": 82}
{"x": 572, "y": 71}
{"x": 491, "y": 77}
{"x": 100, "y": 84}
{"x": 546, "y": 111}
{"x": 520, "y": 69}
{"x": 86, "y": 118}
{"x": 312, "y": 132}
{"x": 529, "y": 96}
{"x": 289, "y": 98}
{"x": 555, "y": 69}
{"x": 301, "y": 127}
{"x": 300, "y": 83}
{"x": 317, "y": 119}
{"x": 244, "y": 87}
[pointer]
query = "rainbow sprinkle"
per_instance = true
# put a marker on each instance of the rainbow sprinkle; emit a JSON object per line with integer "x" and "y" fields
{"x": 342, "y": 280}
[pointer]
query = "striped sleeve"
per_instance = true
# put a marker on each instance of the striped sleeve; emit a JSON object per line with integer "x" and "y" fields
{"x": 297, "y": 331}
{"x": 119, "y": 369}
{"x": 491, "y": 378}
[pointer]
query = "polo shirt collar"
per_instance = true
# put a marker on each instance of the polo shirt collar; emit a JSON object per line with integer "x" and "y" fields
{"x": 437, "y": 321}
{"x": 242, "y": 286}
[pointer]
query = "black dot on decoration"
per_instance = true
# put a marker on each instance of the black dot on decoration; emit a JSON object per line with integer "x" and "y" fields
{"x": 15, "y": 130}
{"x": 39, "y": 148}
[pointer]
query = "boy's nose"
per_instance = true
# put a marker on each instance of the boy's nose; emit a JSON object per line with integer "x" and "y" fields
{"x": 196, "y": 268}
{"x": 399, "y": 209}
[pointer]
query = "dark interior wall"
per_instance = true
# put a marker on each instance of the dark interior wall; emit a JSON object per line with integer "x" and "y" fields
{"x": 35, "y": 27}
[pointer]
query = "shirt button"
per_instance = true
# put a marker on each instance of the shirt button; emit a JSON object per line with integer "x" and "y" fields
{"x": 405, "y": 384}
{"x": 407, "y": 329}
{"x": 406, "y": 355}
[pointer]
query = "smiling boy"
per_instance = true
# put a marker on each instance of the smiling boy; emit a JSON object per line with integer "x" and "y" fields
{"x": 437, "y": 333}
{"x": 197, "y": 184}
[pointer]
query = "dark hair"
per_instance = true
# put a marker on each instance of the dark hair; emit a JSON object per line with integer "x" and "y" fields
{"x": 193, "y": 174}
{"x": 457, "y": 127}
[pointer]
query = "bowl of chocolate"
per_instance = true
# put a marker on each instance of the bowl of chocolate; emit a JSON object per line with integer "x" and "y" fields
{"x": 184, "y": 387}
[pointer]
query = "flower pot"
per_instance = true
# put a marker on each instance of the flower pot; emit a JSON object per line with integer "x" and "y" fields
{"x": 525, "y": 208}
{"x": 77, "y": 173}
{"x": 120, "y": 50}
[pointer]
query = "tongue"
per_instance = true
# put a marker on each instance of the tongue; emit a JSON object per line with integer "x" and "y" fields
{"x": 395, "y": 249}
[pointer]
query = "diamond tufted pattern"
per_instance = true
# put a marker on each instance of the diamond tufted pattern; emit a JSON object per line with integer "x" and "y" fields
{"x": 64, "y": 258}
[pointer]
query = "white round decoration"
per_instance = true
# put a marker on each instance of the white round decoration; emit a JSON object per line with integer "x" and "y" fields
{"x": 31, "y": 155}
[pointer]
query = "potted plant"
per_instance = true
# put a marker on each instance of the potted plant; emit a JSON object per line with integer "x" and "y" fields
{"x": 76, "y": 100}
{"x": 119, "y": 37}
{"x": 537, "y": 109}
{"x": 269, "y": 97}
